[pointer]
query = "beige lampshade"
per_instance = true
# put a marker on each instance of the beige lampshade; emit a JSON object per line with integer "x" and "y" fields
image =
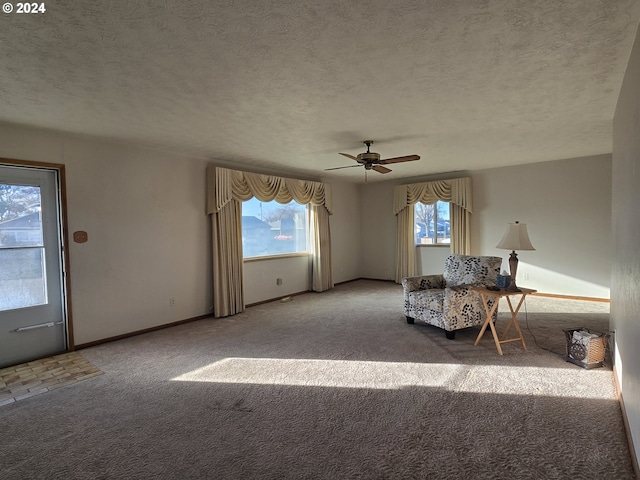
{"x": 516, "y": 238}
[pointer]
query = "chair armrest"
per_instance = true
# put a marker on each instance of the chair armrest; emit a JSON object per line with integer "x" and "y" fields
{"x": 422, "y": 282}
{"x": 462, "y": 290}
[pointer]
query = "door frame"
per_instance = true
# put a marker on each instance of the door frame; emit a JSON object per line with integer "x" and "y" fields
{"x": 64, "y": 231}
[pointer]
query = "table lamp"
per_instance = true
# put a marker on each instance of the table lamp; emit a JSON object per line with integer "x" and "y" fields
{"x": 515, "y": 238}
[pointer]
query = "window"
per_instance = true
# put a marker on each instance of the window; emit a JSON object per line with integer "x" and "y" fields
{"x": 433, "y": 225}
{"x": 272, "y": 228}
{"x": 22, "y": 249}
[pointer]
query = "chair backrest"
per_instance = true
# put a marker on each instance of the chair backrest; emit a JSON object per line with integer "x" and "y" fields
{"x": 471, "y": 270}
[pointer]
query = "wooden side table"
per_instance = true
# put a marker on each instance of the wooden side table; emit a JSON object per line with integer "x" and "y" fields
{"x": 498, "y": 294}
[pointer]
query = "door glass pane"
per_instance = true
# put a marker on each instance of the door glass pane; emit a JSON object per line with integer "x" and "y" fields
{"x": 22, "y": 275}
{"x": 20, "y": 222}
{"x": 22, "y": 278}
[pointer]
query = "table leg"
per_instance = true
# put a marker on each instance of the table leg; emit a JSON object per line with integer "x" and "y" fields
{"x": 513, "y": 315}
{"x": 514, "y": 322}
{"x": 490, "y": 312}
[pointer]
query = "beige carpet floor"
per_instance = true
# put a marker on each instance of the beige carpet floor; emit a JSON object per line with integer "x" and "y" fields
{"x": 328, "y": 386}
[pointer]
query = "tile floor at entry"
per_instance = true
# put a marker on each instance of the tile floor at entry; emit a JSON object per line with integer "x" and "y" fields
{"x": 40, "y": 376}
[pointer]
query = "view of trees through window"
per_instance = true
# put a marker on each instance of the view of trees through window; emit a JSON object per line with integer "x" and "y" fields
{"x": 272, "y": 228}
{"x": 19, "y": 216}
{"x": 17, "y": 201}
{"x": 21, "y": 248}
{"x": 433, "y": 225}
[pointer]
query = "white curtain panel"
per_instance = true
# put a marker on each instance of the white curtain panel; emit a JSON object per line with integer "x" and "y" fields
{"x": 321, "y": 278}
{"x": 226, "y": 244}
{"x": 405, "y": 243}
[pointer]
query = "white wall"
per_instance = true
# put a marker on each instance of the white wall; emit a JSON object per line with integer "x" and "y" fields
{"x": 346, "y": 231}
{"x": 148, "y": 233}
{"x": 566, "y": 204}
{"x": 149, "y": 236}
{"x": 260, "y": 278}
{"x": 378, "y": 231}
{"x": 625, "y": 277}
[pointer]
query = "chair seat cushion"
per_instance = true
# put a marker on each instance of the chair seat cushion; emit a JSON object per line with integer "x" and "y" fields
{"x": 431, "y": 299}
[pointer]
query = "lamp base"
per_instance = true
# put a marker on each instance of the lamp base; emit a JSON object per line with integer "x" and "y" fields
{"x": 513, "y": 268}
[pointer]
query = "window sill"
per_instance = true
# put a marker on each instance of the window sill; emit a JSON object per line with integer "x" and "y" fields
{"x": 433, "y": 245}
{"x": 276, "y": 257}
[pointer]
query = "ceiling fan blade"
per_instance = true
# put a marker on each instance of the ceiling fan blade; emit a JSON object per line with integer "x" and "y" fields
{"x": 381, "y": 169}
{"x": 349, "y": 156}
{"x": 339, "y": 168}
{"x": 407, "y": 158}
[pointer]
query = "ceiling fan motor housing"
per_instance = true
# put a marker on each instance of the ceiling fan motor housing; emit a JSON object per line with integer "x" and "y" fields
{"x": 369, "y": 157}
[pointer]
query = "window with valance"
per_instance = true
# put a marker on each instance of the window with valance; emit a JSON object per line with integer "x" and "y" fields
{"x": 226, "y": 189}
{"x": 456, "y": 191}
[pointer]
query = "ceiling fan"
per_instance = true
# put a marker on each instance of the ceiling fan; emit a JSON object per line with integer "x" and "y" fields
{"x": 371, "y": 160}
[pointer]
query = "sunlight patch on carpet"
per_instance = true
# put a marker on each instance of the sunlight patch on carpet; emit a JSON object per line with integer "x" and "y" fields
{"x": 320, "y": 373}
{"x": 512, "y": 380}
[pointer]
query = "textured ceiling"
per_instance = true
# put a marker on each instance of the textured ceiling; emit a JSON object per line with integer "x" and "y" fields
{"x": 286, "y": 85}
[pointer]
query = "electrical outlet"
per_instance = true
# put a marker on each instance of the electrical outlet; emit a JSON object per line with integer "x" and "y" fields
{"x": 278, "y": 281}
{"x": 525, "y": 276}
{"x": 172, "y": 302}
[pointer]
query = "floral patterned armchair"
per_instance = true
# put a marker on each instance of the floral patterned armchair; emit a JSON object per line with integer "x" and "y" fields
{"x": 446, "y": 300}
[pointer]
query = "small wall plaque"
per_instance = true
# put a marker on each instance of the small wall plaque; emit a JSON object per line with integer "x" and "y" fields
{"x": 80, "y": 237}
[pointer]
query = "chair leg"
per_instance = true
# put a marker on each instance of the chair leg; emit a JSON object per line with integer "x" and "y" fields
{"x": 450, "y": 335}
{"x": 410, "y": 320}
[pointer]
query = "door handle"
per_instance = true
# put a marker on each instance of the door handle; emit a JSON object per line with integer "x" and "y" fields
{"x": 40, "y": 325}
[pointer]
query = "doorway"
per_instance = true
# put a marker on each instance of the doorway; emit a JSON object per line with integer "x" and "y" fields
{"x": 33, "y": 313}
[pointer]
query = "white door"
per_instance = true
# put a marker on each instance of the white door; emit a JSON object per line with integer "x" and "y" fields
{"x": 32, "y": 308}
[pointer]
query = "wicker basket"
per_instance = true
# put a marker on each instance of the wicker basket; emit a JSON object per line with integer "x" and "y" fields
{"x": 586, "y": 348}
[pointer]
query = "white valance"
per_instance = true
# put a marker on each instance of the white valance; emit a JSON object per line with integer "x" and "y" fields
{"x": 224, "y": 184}
{"x": 456, "y": 191}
